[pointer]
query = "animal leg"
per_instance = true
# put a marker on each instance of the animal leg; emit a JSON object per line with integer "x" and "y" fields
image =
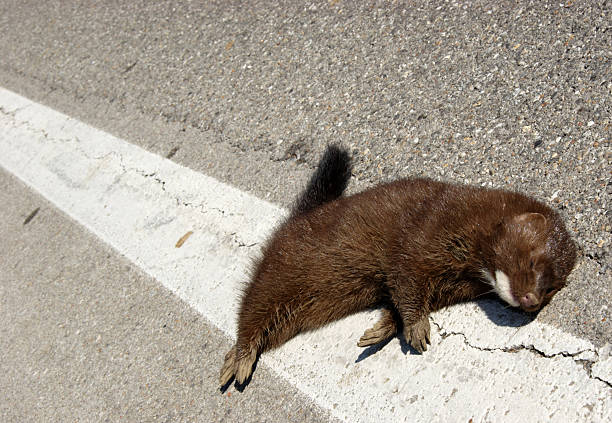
{"x": 410, "y": 300}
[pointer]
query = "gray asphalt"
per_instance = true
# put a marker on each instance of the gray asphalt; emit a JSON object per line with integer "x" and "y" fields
{"x": 86, "y": 336}
{"x": 515, "y": 95}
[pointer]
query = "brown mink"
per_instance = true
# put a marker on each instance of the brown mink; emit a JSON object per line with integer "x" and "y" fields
{"x": 412, "y": 246}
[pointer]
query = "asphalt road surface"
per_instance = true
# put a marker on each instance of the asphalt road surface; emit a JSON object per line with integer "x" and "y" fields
{"x": 513, "y": 95}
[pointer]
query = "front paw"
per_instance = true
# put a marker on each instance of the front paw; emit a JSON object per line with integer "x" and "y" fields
{"x": 417, "y": 335}
{"x": 384, "y": 329}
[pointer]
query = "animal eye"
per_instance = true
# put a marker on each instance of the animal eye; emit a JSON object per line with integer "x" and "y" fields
{"x": 531, "y": 263}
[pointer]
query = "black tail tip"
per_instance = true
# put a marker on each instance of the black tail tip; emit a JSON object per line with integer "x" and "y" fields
{"x": 337, "y": 156}
{"x": 329, "y": 180}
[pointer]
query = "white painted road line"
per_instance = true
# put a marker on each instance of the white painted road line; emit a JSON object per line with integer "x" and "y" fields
{"x": 142, "y": 204}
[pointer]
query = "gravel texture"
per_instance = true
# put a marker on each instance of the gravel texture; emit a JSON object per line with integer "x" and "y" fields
{"x": 503, "y": 94}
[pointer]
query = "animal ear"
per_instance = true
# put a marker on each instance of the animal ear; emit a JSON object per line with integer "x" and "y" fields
{"x": 534, "y": 221}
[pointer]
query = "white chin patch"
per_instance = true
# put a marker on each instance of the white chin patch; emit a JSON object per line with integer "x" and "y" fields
{"x": 501, "y": 285}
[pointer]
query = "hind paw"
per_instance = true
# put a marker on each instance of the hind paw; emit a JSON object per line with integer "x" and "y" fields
{"x": 241, "y": 367}
{"x": 244, "y": 367}
{"x": 227, "y": 371}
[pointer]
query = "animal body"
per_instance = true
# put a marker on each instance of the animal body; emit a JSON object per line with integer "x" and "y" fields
{"x": 412, "y": 246}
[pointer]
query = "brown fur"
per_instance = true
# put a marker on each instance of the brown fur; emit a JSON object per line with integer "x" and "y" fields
{"x": 413, "y": 245}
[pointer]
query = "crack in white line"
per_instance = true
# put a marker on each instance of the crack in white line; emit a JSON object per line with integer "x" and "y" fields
{"x": 76, "y": 143}
{"x": 587, "y": 364}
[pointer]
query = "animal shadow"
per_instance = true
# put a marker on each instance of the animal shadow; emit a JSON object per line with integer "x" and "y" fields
{"x": 503, "y": 315}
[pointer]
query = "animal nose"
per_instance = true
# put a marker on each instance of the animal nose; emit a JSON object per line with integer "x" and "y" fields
{"x": 529, "y": 300}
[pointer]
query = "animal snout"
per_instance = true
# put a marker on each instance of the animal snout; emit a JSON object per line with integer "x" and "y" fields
{"x": 529, "y": 301}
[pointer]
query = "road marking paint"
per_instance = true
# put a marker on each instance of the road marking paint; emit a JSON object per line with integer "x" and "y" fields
{"x": 480, "y": 366}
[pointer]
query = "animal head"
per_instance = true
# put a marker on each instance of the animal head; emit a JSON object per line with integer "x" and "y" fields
{"x": 532, "y": 258}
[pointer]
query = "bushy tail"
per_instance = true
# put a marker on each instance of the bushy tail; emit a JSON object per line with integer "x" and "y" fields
{"x": 328, "y": 182}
